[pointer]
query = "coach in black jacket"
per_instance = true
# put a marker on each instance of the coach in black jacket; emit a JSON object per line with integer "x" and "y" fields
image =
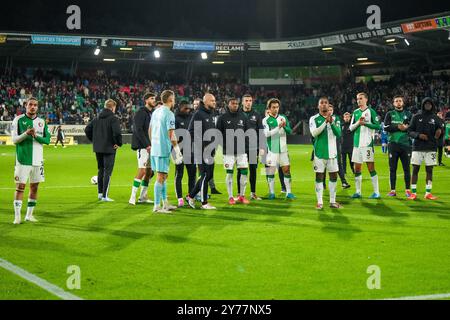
{"x": 204, "y": 117}
{"x": 105, "y": 133}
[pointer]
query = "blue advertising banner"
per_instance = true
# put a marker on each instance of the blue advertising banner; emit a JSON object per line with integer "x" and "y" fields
{"x": 194, "y": 45}
{"x": 56, "y": 40}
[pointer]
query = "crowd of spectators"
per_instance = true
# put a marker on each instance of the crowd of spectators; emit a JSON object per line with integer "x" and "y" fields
{"x": 76, "y": 100}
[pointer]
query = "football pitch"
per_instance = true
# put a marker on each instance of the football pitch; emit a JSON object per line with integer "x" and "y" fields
{"x": 268, "y": 250}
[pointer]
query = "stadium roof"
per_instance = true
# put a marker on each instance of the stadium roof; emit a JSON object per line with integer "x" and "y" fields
{"x": 423, "y": 39}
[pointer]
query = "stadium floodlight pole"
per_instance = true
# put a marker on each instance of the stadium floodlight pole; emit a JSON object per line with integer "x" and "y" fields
{"x": 97, "y": 51}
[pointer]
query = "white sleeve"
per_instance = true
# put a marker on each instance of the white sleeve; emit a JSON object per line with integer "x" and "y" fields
{"x": 269, "y": 133}
{"x": 16, "y": 138}
{"x": 316, "y": 131}
{"x": 353, "y": 126}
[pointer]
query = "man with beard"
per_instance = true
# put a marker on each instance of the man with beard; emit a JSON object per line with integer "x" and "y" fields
{"x": 396, "y": 125}
{"x": 140, "y": 142}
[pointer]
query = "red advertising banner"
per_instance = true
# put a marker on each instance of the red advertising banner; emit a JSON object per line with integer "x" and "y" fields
{"x": 418, "y": 26}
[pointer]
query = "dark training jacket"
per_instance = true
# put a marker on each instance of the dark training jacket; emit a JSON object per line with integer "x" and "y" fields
{"x": 232, "y": 121}
{"x": 141, "y": 122}
{"x": 206, "y": 119}
{"x": 104, "y": 132}
{"x": 425, "y": 122}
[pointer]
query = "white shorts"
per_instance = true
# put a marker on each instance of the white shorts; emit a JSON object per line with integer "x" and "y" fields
{"x": 363, "y": 155}
{"x": 277, "y": 159}
{"x": 143, "y": 158}
{"x": 419, "y": 157}
{"x": 35, "y": 174}
{"x": 240, "y": 160}
{"x": 330, "y": 165}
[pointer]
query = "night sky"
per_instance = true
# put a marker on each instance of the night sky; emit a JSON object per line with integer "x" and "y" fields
{"x": 200, "y": 19}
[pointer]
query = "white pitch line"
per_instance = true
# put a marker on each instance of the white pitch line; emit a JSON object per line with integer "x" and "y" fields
{"x": 425, "y": 297}
{"x": 47, "y": 286}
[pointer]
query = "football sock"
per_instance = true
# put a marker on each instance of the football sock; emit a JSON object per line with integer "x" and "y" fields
{"x": 374, "y": 178}
{"x": 358, "y": 182}
{"x": 333, "y": 187}
{"x": 429, "y": 187}
{"x": 287, "y": 182}
{"x": 164, "y": 192}
{"x": 135, "y": 188}
{"x": 319, "y": 191}
{"x": 158, "y": 193}
{"x": 17, "y": 207}
{"x": 414, "y": 188}
{"x": 31, "y": 206}
{"x": 144, "y": 189}
{"x": 229, "y": 182}
{"x": 243, "y": 182}
{"x": 271, "y": 182}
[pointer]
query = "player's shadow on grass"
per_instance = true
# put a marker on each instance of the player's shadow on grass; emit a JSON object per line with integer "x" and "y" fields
{"x": 74, "y": 212}
{"x": 339, "y": 224}
{"x": 43, "y": 246}
{"x": 418, "y": 207}
{"x": 379, "y": 208}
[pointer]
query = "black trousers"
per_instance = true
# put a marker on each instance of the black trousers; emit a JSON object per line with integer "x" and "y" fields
{"x": 440, "y": 153}
{"x": 206, "y": 174}
{"x": 59, "y": 140}
{"x": 105, "y": 165}
{"x": 253, "y": 171}
{"x": 344, "y": 156}
{"x": 340, "y": 163}
{"x": 179, "y": 173}
{"x": 403, "y": 154}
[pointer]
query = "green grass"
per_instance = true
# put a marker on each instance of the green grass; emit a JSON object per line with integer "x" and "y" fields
{"x": 268, "y": 250}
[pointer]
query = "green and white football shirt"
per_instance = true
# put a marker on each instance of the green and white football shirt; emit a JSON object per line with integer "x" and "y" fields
{"x": 29, "y": 150}
{"x": 364, "y": 135}
{"x": 276, "y": 136}
{"x": 325, "y": 135}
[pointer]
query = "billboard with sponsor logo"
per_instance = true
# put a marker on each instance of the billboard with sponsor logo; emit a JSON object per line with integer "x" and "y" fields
{"x": 69, "y": 130}
{"x": 139, "y": 44}
{"x": 56, "y": 40}
{"x": 230, "y": 46}
{"x": 194, "y": 45}
{"x": 418, "y": 26}
{"x": 289, "y": 45}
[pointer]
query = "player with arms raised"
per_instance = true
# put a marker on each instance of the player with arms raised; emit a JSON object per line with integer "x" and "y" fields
{"x": 325, "y": 130}
{"x": 276, "y": 127}
{"x": 365, "y": 122}
{"x": 29, "y": 134}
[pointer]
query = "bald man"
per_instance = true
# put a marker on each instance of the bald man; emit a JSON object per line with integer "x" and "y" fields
{"x": 202, "y": 121}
